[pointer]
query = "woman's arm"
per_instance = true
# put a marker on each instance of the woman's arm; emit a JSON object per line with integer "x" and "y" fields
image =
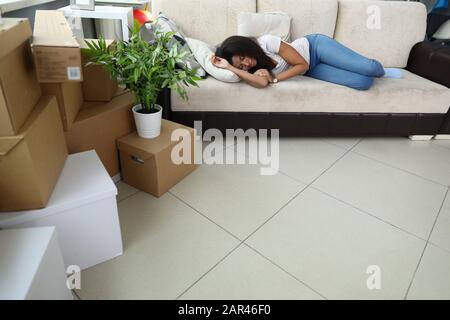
{"x": 291, "y": 56}
{"x": 251, "y": 79}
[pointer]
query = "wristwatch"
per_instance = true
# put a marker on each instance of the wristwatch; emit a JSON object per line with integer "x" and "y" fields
{"x": 275, "y": 80}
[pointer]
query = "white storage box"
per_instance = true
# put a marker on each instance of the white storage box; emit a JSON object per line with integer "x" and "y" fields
{"x": 83, "y": 208}
{"x": 31, "y": 265}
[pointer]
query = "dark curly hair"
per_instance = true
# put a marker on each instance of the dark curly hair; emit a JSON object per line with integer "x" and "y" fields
{"x": 245, "y": 46}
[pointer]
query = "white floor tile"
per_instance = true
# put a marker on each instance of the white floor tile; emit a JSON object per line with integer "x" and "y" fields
{"x": 319, "y": 239}
{"x": 303, "y": 159}
{"x": 402, "y": 199}
{"x": 441, "y": 143}
{"x": 441, "y": 232}
{"x": 124, "y": 190}
{"x": 329, "y": 246}
{"x": 237, "y": 197}
{"x": 419, "y": 157}
{"x": 167, "y": 247}
{"x": 209, "y": 148}
{"x": 343, "y": 142}
{"x": 432, "y": 280}
{"x": 245, "y": 275}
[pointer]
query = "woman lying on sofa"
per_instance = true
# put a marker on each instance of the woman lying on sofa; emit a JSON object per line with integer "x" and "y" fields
{"x": 268, "y": 59}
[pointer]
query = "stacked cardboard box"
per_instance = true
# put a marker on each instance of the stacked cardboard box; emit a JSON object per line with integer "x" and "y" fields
{"x": 44, "y": 112}
{"x": 99, "y": 124}
{"x": 19, "y": 88}
{"x": 32, "y": 145}
{"x": 56, "y": 52}
{"x": 69, "y": 96}
{"x": 94, "y": 111}
{"x": 95, "y": 75}
{"x": 147, "y": 164}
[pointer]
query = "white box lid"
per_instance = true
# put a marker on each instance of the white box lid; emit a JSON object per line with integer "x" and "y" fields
{"x": 83, "y": 180}
{"x": 21, "y": 253}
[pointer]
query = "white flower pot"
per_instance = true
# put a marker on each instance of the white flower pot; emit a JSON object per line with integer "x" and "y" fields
{"x": 148, "y": 125}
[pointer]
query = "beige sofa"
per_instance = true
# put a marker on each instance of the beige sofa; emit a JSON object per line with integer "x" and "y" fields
{"x": 412, "y": 105}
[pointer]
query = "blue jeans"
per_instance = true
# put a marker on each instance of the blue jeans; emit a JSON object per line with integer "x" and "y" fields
{"x": 333, "y": 62}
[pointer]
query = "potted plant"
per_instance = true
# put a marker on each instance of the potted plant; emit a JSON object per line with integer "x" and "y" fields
{"x": 145, "y": 68}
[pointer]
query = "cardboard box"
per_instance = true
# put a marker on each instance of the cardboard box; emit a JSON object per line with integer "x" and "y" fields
{"x": 56, "y": 51}
{"x": 83, "y": 208}
{"x": 30, "y": 163}
{"x": 32, "y": 265}
{"x": 69, "y": 96}
{"x": 98, "y": 84}
{"x": 98, "y": 126}
{"x": 147, "y": 163}
{"x": 19, "y": 88}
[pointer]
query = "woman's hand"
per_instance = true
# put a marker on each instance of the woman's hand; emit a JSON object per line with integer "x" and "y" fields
{"x": 250, "y": 78}
{"x": 264, "y": 73}
{"x": 220, "y": 62}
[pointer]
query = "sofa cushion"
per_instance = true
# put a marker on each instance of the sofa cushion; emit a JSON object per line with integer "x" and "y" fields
{"x": 209, "y": 21}
{"x": 259, "y": 24}
{"x": 412, "y": 94}
{"x": 316, "y": 16}
{"x": 388, "y": 39}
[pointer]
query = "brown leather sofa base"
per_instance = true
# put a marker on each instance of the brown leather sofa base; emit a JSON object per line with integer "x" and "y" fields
{"x": 445, "y": 127}
{"x": 431, "y": 60}
{"x": 318, "y": 124}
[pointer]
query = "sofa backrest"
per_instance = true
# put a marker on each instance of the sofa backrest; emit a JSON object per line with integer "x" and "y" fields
{"x": 352, "y": 22}
{"x": 308, "y": 16}
{"x": 208, "y": 20}
{"x": 389, "y": 39}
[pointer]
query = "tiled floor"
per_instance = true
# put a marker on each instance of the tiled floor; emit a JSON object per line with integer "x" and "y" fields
{"x": 340, "y": 215}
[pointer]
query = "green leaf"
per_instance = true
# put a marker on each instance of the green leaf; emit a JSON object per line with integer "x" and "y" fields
{"x": 136, "y": 75}
{"x": 145, "y": 68}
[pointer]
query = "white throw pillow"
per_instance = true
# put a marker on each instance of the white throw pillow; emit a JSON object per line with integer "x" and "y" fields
{"x": 165, "y": 24}
{"x": 257, "y": 24}
{"x": 203, "y": 53}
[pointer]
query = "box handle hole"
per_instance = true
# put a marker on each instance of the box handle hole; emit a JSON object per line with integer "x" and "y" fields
{"x": 135, "y": 158}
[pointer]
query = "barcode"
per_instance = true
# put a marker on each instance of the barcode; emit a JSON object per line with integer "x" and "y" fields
{"x": 73, "y": 73}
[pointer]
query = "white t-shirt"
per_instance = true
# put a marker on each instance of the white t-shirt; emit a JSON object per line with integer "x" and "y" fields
{"x": 271, "y": 45}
